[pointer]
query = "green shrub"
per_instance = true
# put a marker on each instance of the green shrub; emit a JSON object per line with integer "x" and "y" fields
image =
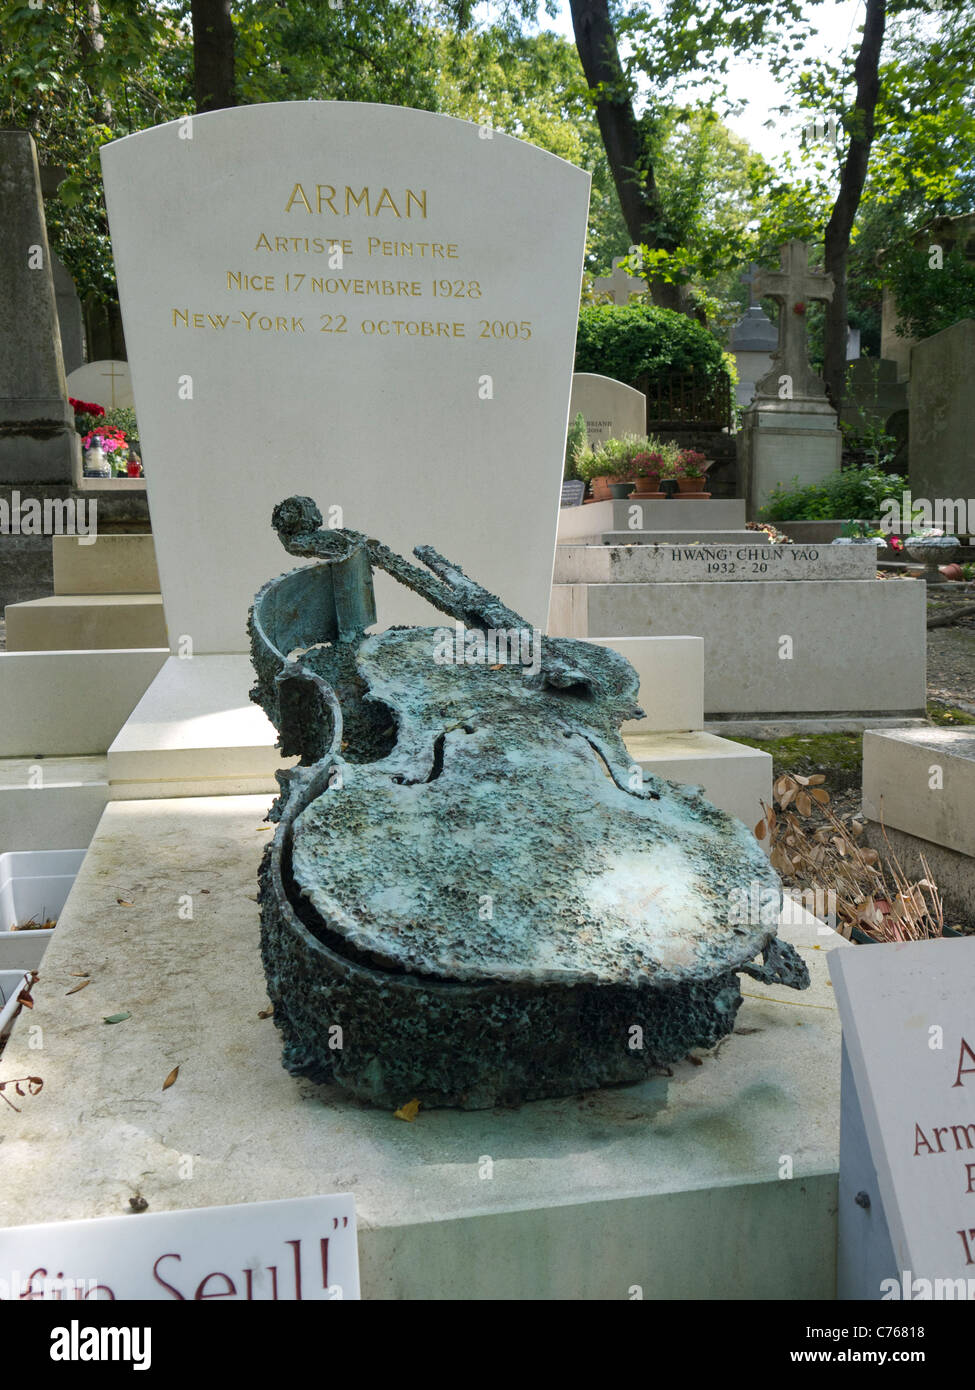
{"x": 856, "y": 492}
{"x": 123, "y": 417}
{"x": 629, "y": 457}
{"x": 624, "y": 341}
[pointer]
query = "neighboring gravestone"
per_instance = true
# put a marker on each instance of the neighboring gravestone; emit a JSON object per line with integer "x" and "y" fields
{"x": 38, "y": 441}
{"x": 789, "y": 432}
{"x": 873, "y": 393}
{"x": 573, "y": 491}
{"x": 71, "y": 320}
{"x": 104, "y": 383}
{"x": 368, "y": 304}
{"x": 907, "y": 1139}
{"x": 942, "y": 404}
{"x": 610, "y": 408}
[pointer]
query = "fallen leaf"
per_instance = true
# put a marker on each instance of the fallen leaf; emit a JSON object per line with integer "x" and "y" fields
{"x": 124, "y": 902}
{"x": 170, "y": 1078}
{"x": 408, "y": 1111}
{"x": 266, "y": 1013}
{"x": 265, "y": 827}
{"x": 803, "y": 804}
{"x": 85, "y": 973}
{"x": 817, "y": 780}
{"x": 760, "y": 830}
{"x": 75, "y": 988}
{"x": 138, "y": 1202}
{"x": 116, "y": 1018}
{"x": 694, "y": 1061}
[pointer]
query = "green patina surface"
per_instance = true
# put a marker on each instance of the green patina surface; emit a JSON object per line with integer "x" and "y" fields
{"x": 467, "y": 880}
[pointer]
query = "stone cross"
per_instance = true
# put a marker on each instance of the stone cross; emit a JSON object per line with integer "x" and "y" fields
{"x": 749, "y": 278}
{"x": 619, "y": 286}
{"x": 112, "y": 374}
{"x": 793, "y": 287}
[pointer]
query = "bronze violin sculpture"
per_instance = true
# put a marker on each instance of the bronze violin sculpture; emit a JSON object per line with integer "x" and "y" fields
{"x": 472, "y": 895}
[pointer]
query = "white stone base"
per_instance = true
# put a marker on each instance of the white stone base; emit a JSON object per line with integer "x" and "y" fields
{"x": 51, "y": 803}
{"x": 791, "y": 447}
{"x": 734, "y": 777}
{"x": 922, "y": 781}
{"x": 105, "y": 565}
{"x": 195, "y": 732}
{"x": 775, "y": 649}
{"x": 714, "y": 514}
{"x": 66, "y": 704}
{"x": 671, "y": 671}
{"x": 673, "y": 1187}
{"x": 86, "y": 622}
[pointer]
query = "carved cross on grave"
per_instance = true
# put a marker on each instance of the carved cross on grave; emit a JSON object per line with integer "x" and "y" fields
{"x": 113, "y": 374}
{"x": 793, "y": 287}
{"x": 619, "y": 286}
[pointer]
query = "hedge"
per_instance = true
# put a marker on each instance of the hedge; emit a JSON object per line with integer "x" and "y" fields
{"x": 624, "y": 341}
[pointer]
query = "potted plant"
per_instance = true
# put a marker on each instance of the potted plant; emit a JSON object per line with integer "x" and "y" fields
{"x": 691, "y": 468}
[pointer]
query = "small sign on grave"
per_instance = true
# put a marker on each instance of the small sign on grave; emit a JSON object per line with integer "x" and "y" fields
{"x": 299, "y": 1250}
{"x": 909, "y": 1033}
{"x": 573, "y": 491}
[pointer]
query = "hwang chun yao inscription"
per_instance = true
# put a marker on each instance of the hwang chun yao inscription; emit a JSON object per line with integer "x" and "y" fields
{"x": 744, "y": 559}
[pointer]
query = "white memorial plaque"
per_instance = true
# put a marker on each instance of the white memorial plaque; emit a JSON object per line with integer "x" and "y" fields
{"x": 908, "y": 1014}
{"x": 106, "y": 383}
{"x": 610, "y": 408}
{"x": 370, "y": 305}
{"x": 303, "y": 1249}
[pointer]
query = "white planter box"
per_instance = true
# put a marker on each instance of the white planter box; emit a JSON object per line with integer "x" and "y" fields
{"x": 11, "y": 983}
{"x": 33, "y": 883}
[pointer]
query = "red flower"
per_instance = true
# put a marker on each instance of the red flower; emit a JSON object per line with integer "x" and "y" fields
{"x": 85, "y": 407}
{"x": 798, "y": 308}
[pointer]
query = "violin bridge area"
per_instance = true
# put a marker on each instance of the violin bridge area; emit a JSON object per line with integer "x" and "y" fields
{"x": 675, "y": 1184}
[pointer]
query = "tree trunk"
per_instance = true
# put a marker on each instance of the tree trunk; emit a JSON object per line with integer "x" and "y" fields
{"x": 840, "y": 225}
{"x": 213, "y": 55}
{"x": 622, "y": 137}
{"x": 91, "y": 42}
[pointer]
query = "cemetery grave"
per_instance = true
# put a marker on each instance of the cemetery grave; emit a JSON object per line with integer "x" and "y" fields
{"x": 374, "y": 959}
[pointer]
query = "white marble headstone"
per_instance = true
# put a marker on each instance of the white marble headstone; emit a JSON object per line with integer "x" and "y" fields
{"x": 106, "y": 383}
{"x": 611, "y": 408}
{"x": 370, "y": 305}
{"x": 909, "y": 1028}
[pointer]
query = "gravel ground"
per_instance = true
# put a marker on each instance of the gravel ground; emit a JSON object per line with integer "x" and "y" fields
{"x": 951, "y": 650}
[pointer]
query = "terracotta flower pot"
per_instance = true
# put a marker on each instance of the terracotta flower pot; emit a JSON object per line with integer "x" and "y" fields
{"x": 690, "y": 485}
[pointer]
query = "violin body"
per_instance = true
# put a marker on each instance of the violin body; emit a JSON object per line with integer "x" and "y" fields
{"x": 472, "y": 897}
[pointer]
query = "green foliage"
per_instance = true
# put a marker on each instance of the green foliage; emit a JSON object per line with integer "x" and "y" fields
{"x": 623, "y": 341}
{"x": 576, "y": 441}
{"x": 123, "y": 417}
{"x": 629, "y": 456}
{"x": 856, "y": 492}
{"x": 931, "y": 298}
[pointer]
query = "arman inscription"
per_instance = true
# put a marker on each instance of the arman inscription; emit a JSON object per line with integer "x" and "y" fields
{"x": 367, "y": 200}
